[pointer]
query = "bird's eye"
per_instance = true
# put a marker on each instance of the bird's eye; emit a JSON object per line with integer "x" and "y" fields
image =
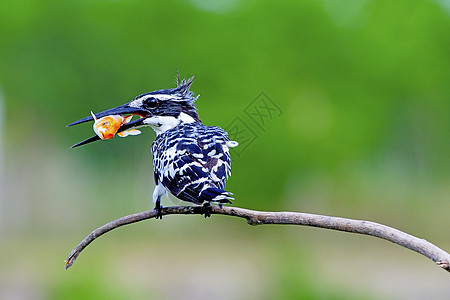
{"x": 151, "y": 102}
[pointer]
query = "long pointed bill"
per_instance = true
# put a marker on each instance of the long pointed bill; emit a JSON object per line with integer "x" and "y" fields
{"x": 86, "y": 141}
{"x": 120, "y": 110}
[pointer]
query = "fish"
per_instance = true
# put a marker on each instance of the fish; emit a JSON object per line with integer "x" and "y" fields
{"x": 107, "y": 127}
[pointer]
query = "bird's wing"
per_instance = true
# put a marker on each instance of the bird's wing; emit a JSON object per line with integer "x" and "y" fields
{"x": 193, "y": 161}
{"x": 215, "y": 154}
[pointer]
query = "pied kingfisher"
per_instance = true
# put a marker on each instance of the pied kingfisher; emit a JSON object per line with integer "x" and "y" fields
{"x": 190, "y": 160}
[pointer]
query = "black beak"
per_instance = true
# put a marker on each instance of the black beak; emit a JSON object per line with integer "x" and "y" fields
{"x": 120, "y": 110}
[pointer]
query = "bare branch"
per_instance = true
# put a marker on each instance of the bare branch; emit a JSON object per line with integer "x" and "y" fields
{"x": 439, "y": 256}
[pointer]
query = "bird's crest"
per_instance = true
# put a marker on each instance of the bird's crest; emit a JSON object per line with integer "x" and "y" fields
{"x": 184, "y": 85}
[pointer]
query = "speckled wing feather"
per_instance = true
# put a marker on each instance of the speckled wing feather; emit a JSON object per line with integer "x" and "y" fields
{"x": 192, "y": 161}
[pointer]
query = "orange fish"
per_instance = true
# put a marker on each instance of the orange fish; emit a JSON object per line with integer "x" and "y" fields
{"x": 108, "y": 126}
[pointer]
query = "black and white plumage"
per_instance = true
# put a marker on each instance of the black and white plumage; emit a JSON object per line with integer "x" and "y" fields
{"x": 190, "y": 160}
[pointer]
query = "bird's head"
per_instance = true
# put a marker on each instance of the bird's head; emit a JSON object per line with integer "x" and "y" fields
{"x": 161, "y": 110}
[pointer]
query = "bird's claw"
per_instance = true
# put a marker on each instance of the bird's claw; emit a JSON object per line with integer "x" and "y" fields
{"x": 158, "y": 211}
{"x": 206, "y": 209}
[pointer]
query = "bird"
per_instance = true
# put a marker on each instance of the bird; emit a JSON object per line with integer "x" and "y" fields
{"x": 190, "y": 160}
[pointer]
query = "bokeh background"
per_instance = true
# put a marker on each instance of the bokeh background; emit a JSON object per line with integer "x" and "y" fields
{"x": 362, "y": 131}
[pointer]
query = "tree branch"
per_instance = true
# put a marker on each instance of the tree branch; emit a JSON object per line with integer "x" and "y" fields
{"x": 439, "y": 256}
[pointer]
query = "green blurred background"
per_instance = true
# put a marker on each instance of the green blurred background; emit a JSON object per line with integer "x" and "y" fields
{"x": 364, "y": 89}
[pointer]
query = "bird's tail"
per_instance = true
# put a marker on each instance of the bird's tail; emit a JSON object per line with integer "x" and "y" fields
{"x": 212, "y": 194}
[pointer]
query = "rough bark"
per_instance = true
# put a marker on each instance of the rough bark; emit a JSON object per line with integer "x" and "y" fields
{"x": 439, "y": 256}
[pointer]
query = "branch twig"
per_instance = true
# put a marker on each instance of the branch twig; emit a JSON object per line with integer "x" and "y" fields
{"x": 439, "y": 256}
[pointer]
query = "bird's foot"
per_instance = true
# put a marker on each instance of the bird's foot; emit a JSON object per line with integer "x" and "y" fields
{"x": 206, "y": 209}
{"x": 158, "y": 208}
